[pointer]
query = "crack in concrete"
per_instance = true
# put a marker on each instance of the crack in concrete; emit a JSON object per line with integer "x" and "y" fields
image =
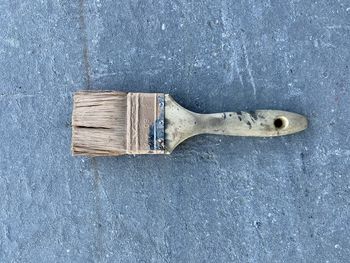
{"x": 99, "y": 234}
{"x": 96, "y": 175}
{"x": 247, "y": 64}
{"x": 83, "y": 32}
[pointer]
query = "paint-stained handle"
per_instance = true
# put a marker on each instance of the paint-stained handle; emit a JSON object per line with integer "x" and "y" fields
{"x": 181, "y": 124}
{"x": 261, "y": 123}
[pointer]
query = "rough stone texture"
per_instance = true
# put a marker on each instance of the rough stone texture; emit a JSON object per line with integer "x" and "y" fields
{"x": 215, "y": 199}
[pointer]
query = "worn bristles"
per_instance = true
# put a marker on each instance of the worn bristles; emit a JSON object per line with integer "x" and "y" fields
{"x": 99, "y": 123}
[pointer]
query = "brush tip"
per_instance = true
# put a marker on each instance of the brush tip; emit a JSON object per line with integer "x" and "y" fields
{"x": 99, "y": 123}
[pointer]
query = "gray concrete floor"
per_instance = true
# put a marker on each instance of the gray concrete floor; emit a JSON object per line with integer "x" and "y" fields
{"x": 215, "y": 199}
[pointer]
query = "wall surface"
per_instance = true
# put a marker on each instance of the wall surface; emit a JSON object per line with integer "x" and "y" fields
{"x": 215, "y": 199}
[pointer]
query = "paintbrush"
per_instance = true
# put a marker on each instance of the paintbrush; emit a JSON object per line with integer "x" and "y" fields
{"x": 111, "y": 123}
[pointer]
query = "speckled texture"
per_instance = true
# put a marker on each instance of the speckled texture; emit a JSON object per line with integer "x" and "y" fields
{"x": 215, "y": 199}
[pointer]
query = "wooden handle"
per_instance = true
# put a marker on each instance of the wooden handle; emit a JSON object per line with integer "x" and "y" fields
{"x": 261, "y": 123}
{"x": 181, "y": 123}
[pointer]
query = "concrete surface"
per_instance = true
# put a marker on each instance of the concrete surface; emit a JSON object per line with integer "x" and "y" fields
{"x": 215, "y": 199}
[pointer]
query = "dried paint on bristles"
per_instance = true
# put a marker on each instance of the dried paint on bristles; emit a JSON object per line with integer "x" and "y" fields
{"x": 116, "y": 123}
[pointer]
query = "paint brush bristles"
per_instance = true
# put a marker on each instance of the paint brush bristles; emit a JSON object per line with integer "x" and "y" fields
{"x": 99, "y": 123}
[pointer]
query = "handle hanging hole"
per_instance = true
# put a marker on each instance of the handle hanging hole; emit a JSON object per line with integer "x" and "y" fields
{"x": 280, "y": 122}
